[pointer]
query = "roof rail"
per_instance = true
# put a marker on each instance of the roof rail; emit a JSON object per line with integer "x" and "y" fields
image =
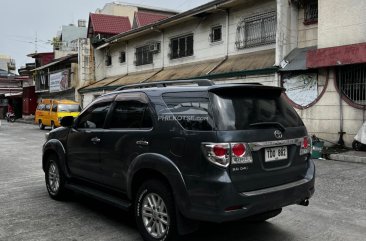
{"x": 199, "y": 82}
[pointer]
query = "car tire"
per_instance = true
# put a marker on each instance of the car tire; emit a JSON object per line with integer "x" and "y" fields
{"x": 155, "y": 212}
{"x": 53, "y": 125}
{"x": 40, "y": 125}
{"x": 55, "y": 180}
{"x": 262, "y": 217}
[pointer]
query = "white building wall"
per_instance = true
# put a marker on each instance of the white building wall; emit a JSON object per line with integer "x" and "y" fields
{"x": 341, "y": 22}
{"x": 307, "y": 34}
{"x": 99, "y": 64}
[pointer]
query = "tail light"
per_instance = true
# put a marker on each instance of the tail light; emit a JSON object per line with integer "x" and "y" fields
{"x": 222, "y": 154}
{"x": 217, "y": 153}
{"x": 305, "y": 147}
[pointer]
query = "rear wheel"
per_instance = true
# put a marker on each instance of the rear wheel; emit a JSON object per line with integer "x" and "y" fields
{"x": 40, "y": 125}
{"x": 55, "y": 180}
{"x": 155, "y": 212}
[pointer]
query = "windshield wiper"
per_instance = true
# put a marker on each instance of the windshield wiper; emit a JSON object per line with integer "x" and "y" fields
{"x": 278, "y": 125}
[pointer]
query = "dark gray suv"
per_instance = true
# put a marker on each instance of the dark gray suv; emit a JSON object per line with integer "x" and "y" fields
{"x": 176, "y": 155}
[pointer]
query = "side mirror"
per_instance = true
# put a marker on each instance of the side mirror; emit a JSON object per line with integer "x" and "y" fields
{"x": 67, "y": 121}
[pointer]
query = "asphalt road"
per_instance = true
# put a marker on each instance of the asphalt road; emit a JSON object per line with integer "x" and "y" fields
{"x": 337, "y": 211}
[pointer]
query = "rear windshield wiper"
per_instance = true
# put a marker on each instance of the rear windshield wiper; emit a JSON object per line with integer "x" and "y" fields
{"x": 278, "y": 125}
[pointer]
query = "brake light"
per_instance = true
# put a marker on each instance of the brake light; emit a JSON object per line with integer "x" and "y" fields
{"x": 238, "y": 149}
{"x": 222, "y": 154}
{"x": 219, "y": 150}
{"x": 305, "y": 142}
{"x": 305, "y": 147}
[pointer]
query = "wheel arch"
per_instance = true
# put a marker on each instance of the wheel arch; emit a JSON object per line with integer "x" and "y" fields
{"x": 55, "y": 147}
{"x": 155, "y": 166}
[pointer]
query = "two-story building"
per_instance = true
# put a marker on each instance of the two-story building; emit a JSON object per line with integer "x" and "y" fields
{"x": 224, "y": 40}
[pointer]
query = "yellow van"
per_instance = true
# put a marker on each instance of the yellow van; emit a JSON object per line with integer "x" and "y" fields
{"x": 50, "y": 112}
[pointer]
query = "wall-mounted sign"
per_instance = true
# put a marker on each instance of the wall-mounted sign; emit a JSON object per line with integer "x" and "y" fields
{"x": 59, "y": 81}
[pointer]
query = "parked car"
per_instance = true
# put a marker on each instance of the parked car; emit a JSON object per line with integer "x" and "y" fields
{"x": 49, "y": 112}
{"x": 177, "y": 155}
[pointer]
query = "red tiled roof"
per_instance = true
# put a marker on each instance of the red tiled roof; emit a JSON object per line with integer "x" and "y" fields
{"x": 145, "y": 18}
{"x": 109, "y": 24}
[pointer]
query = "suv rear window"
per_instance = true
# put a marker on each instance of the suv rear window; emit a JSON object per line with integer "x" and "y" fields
{"x": 243, "y": 108}
{"x": 190, "y": 109}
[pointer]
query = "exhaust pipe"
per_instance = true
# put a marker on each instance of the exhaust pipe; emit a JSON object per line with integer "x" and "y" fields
{"x": 304, "y": 202}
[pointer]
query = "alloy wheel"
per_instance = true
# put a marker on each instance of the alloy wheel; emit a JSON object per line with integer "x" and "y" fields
{"x": 53, "y": 177}
{"x": 155, "y": 215}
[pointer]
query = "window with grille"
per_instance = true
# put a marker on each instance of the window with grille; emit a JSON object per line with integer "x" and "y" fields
{"x": 256, "y": 31}
{"x": 143, "y": 55}
{"x": 216, "y": 34}
{"x": 351, "y": 80}
{"x": 122, "y": 57}
{"x": 311, "y": 12}
{"x": 181, "y": 47}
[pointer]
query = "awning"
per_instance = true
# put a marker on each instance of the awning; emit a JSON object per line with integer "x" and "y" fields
{"x": 296, "y": 59}
{"x": 134, "y": 78}
{"x": 249, "y": 62}
{"x": 336, "y": 56}
{"x": 103, "y": 82}
{"x": 186, "y": 71}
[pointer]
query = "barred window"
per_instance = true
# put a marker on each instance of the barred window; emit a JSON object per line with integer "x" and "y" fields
{"x": 122, "y": 57}
{"x": 181, "y": 47}
{"x": 256, "y": 31}
{"x": 143, "y": 55}
{"x": 216, "y": 34}
{"x": 351, "y": 81}
{"x": 311, "y": 12}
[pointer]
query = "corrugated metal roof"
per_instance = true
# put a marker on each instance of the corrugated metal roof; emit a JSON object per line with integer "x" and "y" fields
{"x": 109, "y": 24}
{"x": 103, "y": 82}
{"x": 186, "y": 71}
{"x": 297, "y": 59}
{"x": 134, "y": 78}
{"x": 249, "y": 61}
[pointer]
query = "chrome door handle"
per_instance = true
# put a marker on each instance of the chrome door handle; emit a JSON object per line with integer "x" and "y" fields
{"x": 142, "y": 143}
{"x": 95, "y": 140}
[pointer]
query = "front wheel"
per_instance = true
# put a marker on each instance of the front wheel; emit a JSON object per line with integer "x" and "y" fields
{"x": 155, "y": 212}
{"x": 55, "y": 180}
{"x": 40, "y": 125}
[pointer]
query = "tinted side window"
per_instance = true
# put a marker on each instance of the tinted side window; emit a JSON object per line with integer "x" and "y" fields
{"x": 94, "y": 116}
{"x": 131, "y": 114}
{"x": 191, "y": 109}
{"x": 54, "y": 108}
{"x": 47, "y": 107}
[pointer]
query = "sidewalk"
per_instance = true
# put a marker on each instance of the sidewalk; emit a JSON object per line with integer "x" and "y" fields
{"x": 25, "y": 121}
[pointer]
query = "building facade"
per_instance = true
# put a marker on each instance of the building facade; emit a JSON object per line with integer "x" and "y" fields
{"x": 227, "y": 41}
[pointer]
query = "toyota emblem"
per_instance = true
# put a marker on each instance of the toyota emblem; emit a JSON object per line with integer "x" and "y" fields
{"x": 278, "y": 134}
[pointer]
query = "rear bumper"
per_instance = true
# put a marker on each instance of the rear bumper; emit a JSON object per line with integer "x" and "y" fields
{"x": 221, "y": 195}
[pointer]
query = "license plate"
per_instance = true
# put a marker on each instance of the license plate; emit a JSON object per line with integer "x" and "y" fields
{"x": 275, "y": 153}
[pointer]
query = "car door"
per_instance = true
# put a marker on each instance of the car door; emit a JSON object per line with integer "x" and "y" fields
{"x": 127, "y": 135}
{"x": 84, "y": 140}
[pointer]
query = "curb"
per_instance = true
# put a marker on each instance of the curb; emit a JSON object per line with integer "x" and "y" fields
{"x": 348, "y": 158}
